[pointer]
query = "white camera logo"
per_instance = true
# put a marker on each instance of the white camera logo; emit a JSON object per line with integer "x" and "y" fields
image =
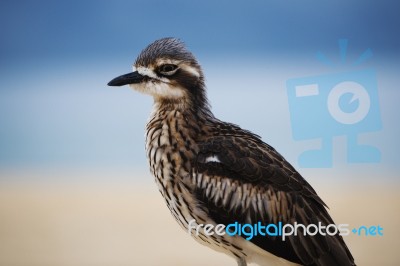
{"x": 359, "y": 93}
{"x": 335, "y": 104}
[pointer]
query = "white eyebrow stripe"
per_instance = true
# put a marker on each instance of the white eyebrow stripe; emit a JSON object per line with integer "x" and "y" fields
{"x": 163, "y": 61}
{"x": 144, "y": 71}
{"x": 191, "y": 70}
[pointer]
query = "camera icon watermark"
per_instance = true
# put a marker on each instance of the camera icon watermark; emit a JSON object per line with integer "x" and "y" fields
{"x": 336, "y": 104}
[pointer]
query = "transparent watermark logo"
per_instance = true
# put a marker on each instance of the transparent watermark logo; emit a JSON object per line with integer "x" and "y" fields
{"x": 249, "y": 231}
{"x": 325, "y": 106}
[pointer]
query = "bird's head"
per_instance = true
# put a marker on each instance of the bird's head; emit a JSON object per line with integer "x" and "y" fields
{"x": 168, "y": 71}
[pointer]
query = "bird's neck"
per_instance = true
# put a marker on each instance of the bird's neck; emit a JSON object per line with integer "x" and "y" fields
{"x": 171, "y": 113}
{"x": 200, "y": 111}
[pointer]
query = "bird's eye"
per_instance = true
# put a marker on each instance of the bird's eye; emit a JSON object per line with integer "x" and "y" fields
{"x": 168, "y": 69}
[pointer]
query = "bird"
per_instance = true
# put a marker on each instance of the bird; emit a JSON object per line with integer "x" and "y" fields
{"x": 213, "y": 172}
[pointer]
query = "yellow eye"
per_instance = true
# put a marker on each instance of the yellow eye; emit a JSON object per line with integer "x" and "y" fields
{"x": 168, "y": 69}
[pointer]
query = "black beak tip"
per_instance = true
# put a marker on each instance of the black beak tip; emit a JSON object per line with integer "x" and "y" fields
{"x": 130, "y": 78}
{"x": 113, "y": 83}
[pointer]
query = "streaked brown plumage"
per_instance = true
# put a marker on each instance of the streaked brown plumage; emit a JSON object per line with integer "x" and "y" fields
{"x": 217, "y": 173}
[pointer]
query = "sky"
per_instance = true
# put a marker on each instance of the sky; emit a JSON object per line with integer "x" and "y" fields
{"x": 56, "y": 57}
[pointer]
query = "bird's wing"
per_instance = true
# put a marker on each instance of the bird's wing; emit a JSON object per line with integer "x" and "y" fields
{"x": 241, "y": 179}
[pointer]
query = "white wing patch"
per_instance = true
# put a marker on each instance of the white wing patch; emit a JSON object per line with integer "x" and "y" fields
{"x": 212, "y": 159}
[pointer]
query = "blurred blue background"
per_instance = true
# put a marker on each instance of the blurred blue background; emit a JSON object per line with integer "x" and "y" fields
{"x": 74, "y": 182}
{"x": 56, "y": 57}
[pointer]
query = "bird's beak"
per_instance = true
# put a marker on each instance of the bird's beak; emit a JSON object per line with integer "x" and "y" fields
{"x": 130, "y": 78}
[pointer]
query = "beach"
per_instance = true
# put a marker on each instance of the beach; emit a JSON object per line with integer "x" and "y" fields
{"x": 97, "y": 223}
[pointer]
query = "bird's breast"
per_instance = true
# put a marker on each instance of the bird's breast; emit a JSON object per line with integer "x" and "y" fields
{"x": 170, "y": 150}
{"x": 170, "y": 147}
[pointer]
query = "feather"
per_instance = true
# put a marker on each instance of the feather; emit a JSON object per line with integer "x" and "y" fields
{"x": 270, "y": 191}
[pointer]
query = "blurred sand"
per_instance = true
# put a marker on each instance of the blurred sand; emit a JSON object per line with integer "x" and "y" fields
{"x": 128, "y": 224}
